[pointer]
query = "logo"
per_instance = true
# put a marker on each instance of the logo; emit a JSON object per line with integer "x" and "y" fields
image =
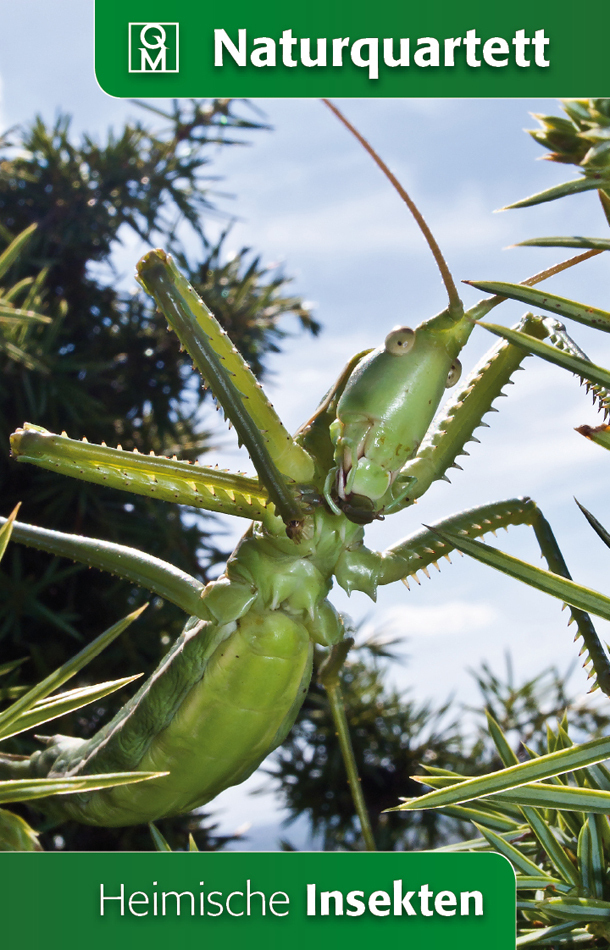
{"x": 153, "y": 47}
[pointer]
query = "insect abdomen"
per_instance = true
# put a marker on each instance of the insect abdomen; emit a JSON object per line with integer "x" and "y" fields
{"x": 242, "y": 706}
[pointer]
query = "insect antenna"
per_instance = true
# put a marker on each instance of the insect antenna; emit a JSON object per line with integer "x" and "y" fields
{"x": 455, "y": 303}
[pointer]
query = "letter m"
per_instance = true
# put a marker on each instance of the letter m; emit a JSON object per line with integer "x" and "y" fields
{"x": 147, "y": 63}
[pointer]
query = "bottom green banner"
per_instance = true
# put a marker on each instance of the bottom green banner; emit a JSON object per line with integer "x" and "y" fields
{"x": 110, "y": 900}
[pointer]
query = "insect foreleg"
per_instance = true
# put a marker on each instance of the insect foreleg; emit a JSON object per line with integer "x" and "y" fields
{"x": 455, "y": 425}
{"x": 362, "y": 569}
{"x": 314, "y": 434}
{"x": 425, "y": 547}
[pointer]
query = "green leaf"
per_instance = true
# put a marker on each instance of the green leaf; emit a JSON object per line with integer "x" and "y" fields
{"x": 480, "y": 844}
{"x": 533, "y": 883}
{"x": 158, "y": 839}
{"x": 583, "y": 368}
{"x": 561, "y": 797}
{"x": 589, "y": 316}
{"x": 574, "y": 187}
{"x": 576, "y": 908}
{"x": 536, "y": 795}
{"x": 20, "y": 790}
{"x": 12, "y": 252}
{"x": 598, "y": 434}
{"x": 10, "y": 315}
{"x": 601, "y": 244}
{"x": 562, "y": 588}
{"x": 12, "y": 692}
{"x": 590, "y": 859}
{"x": 597, "y": 776}
{"x": 16, "y": 834}
{"x": 556, "y": 854}
{"x": 20, "y": 356}
{"x": 5, "y": 534}
{"x": 545, "y": 935}
{"x": 597, "y": 827}
{"x": 513, "y": 854}
{"x": 65, "y": 672}
{"x": 46, "y": 710}
{"x": 546, "y": 766}
{"x": 595, "y": 524}
{"x": 481, "y": 815}
{"x": 500, "y": 741}
{"x": 13, "y": 664}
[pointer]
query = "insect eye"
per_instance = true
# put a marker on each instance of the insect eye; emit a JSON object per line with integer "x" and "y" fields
{"x": 454, "y": 374}
{"x": 399, "y": 340}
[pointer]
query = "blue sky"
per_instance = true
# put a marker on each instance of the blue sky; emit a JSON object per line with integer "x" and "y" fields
{"x": 309, "y": 198}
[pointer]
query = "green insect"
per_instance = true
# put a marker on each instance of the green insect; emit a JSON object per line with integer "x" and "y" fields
{"x": 228, "y": 691}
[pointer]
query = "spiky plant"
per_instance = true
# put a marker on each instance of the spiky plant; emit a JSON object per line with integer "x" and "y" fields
{"x": 549, "y": 815}
{"x": 555, "y": 833}
{"x": 20, "y": 305}
{"x": 36, "y": 706}
{"x": 581, "y": 139}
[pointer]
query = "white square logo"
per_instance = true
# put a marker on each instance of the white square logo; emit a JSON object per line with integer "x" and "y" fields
{"x": 153, "y": 48}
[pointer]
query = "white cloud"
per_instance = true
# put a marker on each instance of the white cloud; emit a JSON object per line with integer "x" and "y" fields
{"x": 452, "y": 618}
{"x": 375, "y": 222}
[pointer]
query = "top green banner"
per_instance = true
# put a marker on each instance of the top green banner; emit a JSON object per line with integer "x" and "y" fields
{"x": 187, "y": 48}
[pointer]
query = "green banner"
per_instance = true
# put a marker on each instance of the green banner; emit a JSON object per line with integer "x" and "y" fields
{"x": 153, "y": 48}
{"x": 257, "y": 900}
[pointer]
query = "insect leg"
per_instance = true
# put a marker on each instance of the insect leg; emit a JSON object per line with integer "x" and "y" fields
{"x": 278, "y": 459}
{"x": 147, "y": 571}
{"x": 154, "y": 476}
{"x": 455, "y": 425}
{"x": 359, "y": 568}
{"x": 426, "y": 546}
{"x": 330, "y": 679}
